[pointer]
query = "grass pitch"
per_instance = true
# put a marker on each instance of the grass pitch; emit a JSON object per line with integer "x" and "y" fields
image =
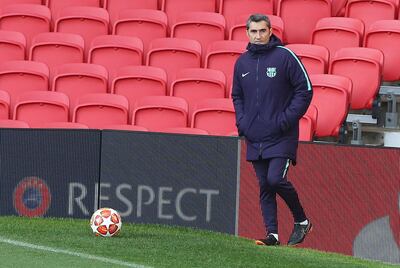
{"x": 49, "y": 242}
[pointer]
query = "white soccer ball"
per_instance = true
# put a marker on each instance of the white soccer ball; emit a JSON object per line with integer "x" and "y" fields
{"x": 106, "y": 222}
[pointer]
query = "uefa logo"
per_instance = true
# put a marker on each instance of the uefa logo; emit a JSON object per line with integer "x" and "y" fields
{"x": 31, "y": 197}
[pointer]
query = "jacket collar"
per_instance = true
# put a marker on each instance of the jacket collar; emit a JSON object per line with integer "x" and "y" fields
{"x": 261, "y": 49}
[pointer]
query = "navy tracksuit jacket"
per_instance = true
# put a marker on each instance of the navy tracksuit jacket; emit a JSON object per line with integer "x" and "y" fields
{"x": 271, "y": 92}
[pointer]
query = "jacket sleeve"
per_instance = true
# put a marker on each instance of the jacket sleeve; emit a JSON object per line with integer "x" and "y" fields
{"x": 302, "y": 92}
{"x": 237, "y": 97}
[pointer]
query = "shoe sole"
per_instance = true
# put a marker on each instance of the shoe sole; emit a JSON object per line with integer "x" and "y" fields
{"x": 307, "y": 232}
{"x": 261, "y": 243}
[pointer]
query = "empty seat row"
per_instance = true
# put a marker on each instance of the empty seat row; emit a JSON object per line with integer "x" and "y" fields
{"x": 113, "y": 52}
{"x": 133, "y": 82}
{"x": 97, "y": 110}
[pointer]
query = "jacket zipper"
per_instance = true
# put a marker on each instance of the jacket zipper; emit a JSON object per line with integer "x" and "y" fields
{"x": 257, "y": 95}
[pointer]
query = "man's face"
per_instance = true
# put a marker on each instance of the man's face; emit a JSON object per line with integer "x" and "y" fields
{"x": 259, "y": 33}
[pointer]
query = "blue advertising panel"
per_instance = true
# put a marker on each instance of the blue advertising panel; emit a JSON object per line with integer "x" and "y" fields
{"x": 48, "y": 172}
{"x": 174, "y": 179}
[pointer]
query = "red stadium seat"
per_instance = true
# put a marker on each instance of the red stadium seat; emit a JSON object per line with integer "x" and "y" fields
{"x": 17, "y": 77}
{"x": 12, "y": 46}
{"x": 37, "y": 107}
{"x": 159, "y": 112}
{"x": 28, "y": 19}
{"x": 335, "y": 33}
{"x": 174, "y": 8}
{"x": 315, "y": 58}
{"x": 205, "y": 27}
{"x": 331, "y": 98}
{"x": 370, "y": 11}
{"x": 385, "y": 36}
{"x": 222, "y": 56}
{"x": 99, "y": 110}
{"x": 115, "y": 7}
{"x": 55, "y": 49}
{"x": 4, "y": 105}
{"x": 196, "y": 84}
{"x": 56, "y": 5}
{"x": 308, "y": 123}
{"x": 135, "y": 82}
{"x": 216, "y": 116}
{"x": 300, "y": 18}
{"x": 238, "y": 30}
{"x": 231, "y": 9}
{"x": 184, "y": 130}
{"x": 363, "y": 66}
{"x": 62, "y": 125}
{"x": 78, "y": 79}
{"x": 88, "y": 22}
{"x": 114, "y": 52}
{"x": 173, "y": 54}
{"x": 13, "y": 124}
{"x": 146, "y": 24}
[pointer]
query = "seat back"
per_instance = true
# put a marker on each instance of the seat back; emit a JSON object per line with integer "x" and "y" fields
{"x": 115, "y": 7}
{"x": 231, "y": 9}
{"x": 216, "y": 116}
{"x": 37, "y": 107}
{"x": 29, "y": 19}
{"x": 55, "y": 49}
{"x": 385, "y": 36}
{"x": 78, "y": 79}
{"x": 205, "y": 27}
{"x": 185, "y": 130}
{"x": 363, "y": 66}
{"x": 17, "y": 77}
{"x": 370, "y": 11}
{"x": 335, "y": 33}
{"x": 315, "y": 58}
{"x": 238, "y": 29}
{"x": 56, "y": 6}
{"x": 12, "y": 46}
{"x": 331, "y": 98}
{"x": 146, "y": 24}
{"x": 222, "y": 56}
{"x": 298, "y": 26}
{"x": 114, "y": 52}
{"x": 196, "y": 84}
{"x": 173, "y": 54}
{"x": 159, "y": 112}
{"x": 98, "y": 110}
{"x": 88, "y": 22}
{"x": 174, "y": 8}
{"x": 135, "y": 82}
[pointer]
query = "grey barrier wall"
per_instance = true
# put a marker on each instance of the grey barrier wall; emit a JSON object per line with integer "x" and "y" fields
{"x": 48, "y": 172}
{"x": 184, "y": 180}
{"x": 173, "y": 179}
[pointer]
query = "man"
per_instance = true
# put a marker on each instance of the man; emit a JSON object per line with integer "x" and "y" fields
{"x": 271, "y": 92}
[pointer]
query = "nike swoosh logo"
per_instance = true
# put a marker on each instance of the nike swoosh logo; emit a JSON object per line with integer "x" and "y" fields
{"x": 243, "y": 75}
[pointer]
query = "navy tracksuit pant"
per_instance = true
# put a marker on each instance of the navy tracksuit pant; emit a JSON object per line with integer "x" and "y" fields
{"x": 272, "y": 179}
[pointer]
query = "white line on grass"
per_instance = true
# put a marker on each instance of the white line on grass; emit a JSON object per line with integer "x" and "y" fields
{"x": 71, "y": 253}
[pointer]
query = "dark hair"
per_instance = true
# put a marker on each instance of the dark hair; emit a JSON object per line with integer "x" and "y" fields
{"x": 257, "y": 18}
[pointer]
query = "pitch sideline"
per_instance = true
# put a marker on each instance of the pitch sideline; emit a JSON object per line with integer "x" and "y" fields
{"x": 71, "y": 253}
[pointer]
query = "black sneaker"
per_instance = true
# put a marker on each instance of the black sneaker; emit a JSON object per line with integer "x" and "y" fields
{"x": 270, "y": 240}
{"x": 299, "y": 233}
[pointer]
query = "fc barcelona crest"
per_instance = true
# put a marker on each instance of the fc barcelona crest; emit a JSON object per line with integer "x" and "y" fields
{"x": 271, "y": 71}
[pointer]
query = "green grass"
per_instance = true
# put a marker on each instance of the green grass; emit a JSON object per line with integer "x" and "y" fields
{"x": 150, "y": 245}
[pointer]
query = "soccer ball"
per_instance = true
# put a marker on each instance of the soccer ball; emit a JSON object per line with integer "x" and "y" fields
{"x": 106, "y": 222}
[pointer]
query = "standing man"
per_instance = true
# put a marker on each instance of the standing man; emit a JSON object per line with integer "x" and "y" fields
{"x": 271, "y": 92}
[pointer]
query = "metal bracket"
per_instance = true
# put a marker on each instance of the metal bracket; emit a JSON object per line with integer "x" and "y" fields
{"x": 357, "y": 133}
{"x": 391, "y": 118}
